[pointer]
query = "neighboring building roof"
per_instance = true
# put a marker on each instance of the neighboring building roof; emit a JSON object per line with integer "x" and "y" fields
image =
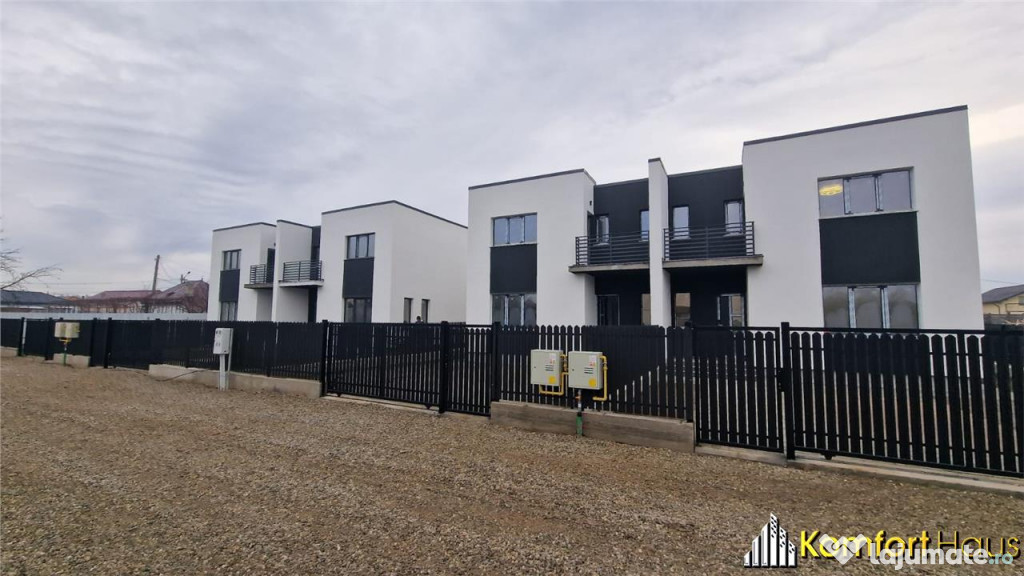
{"x": 26, "y": 298}
{"x": 999, "y": 294}
{"x": 121, "y": 295}
{"x": 858, "y": 125}
{"x": 184, "y": 290}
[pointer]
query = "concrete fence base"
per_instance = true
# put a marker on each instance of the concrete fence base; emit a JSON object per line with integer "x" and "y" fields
{"x": 238, "y": 381}
{"x": 627, "y": 429}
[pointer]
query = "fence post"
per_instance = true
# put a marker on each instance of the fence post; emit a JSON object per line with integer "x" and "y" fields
{"x": 445, "y": 376}
{"x": 786, "y": 374}
{"x": 688, "y": 386}
{"x": 695, "y": 383}
{"x": 156, "y": 343}
{"x": 109, "y": 342}
{"x": 495, "y": 365}
{"x": 48, "y": 343}
{"x": 21, "y": 337}
{"x": 92, "y": 340}
{"x": 324, "y": 353}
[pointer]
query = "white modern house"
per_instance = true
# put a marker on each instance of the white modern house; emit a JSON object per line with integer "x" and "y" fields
{"x": 866, "y": 225}
{"x": 383, "y": 262}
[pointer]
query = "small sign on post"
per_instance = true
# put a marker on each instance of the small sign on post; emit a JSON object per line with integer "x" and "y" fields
{"x": 65, "y": 332}
{"x": 222, "y": 348}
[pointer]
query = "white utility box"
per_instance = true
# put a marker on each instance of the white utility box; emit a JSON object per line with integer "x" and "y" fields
{"x": 222, "y": 341}
{"x": 545, "y": 367}
{"x": 586, "y": 370}
{"x": 65, "y": 330}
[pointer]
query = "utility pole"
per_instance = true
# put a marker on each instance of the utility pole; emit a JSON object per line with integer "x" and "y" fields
{"x": 152, "y": 291}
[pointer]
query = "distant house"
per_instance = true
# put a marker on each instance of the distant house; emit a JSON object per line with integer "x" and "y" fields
{"x": 189, "y": 297}
{"x": 1004, "y": 305}
{"x": 25, "y": 301}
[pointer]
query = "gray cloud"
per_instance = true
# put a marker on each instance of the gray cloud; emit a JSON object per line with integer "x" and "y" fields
{"x": 134, "y": 129}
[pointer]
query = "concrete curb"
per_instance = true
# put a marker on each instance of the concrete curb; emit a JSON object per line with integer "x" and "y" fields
{"x": 238, "y": 381}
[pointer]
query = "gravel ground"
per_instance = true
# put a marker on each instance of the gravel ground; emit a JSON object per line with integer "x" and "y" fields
{"x": 112, "y": 472}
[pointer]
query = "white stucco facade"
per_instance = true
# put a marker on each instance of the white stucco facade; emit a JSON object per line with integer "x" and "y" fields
{"x": 780, "y": 187}
{"x": 561, "y": 202}
{"x": 416, "y": 255}
{"x": 253, "y": 240}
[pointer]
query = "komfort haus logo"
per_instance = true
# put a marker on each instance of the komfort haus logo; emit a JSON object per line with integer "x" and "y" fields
{"x": 771, "y": 548}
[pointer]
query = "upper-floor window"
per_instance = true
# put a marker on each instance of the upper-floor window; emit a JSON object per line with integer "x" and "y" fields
{"x": 231, "y": 259}
{"x": 520, "y": 229}
{"x": 680, "y": 222}
{"x": 645, "y": 225}
{"x": 360, "y": 246}
{"x": 734, "y": 217}
{"x": 866, "y": 194}
{"x": 601, "y": 230}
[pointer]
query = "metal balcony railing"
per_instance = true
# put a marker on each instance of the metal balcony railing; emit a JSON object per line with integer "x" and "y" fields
{"x": 301, "y": 271}
{"x": 632, "y": 248}
{"x": 727, "y": 241}
{"x": 261, "y": 274}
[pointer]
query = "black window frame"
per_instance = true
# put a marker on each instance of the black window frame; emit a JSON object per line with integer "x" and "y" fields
{"x": 876, "y": 177}
{"x": 232, "y": 308}
{"x": 885, "y": 303}
{"x": 645, "y": 234}
{"x": 232, "y": 258}
{"x": 523, "y": 308}
{"x": 367, "y": 308}
{"x": 680, "y": 232}
{"x": 524, "y": 218}
{"x": 407, "y": 310}
{"x": 371, "y": 246}
{"x": 599, "y": 238}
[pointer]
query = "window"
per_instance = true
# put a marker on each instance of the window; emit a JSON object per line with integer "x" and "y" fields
{"x": 514, "y": 309}
{"x": 602, "y": 232}
{"x": 231, "y": 259}
{"x": 734, "y": 217}
{"x": 361, "y": 246}
{"x": 515, "y": 229}
{"x": 407, "y": 311}
{"x": 357, "y": 309}
{"x": 730, "y": 310}
{"x": 680, "y": 222}
{"x": 681, "y": 308}
{"x": 229, "y": 311}
{"x": 645, "y": 309}
{"x": 870, "y": 306}
{"x": 425, "y": 310}
{"x": 882, "y": 192}
{"x": 645, "y": 225}
{"x": 607, "y": 309}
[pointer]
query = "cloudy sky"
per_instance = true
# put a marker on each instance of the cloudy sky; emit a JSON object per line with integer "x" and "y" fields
{"x": 131, "y": 129}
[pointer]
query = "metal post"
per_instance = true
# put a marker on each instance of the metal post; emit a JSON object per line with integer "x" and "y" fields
{"x": 109, "y": 342}
{"x": 92, "y": 341}
{"x": 688, "y": 370}
{"x": 786, "y": 374}
{"x": 48, "y": 342}
{"x": 445, "y": 376}
{"x": 21, "y": 338}
{"x": 495, "y": 364}
{"x": 324, "y": 354}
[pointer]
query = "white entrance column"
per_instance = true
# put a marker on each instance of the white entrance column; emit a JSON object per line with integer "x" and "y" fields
{"x": 661, "y": 285}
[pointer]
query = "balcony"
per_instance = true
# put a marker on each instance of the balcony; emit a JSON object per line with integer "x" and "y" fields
{"x": 712, "y": 246}
{"x": 302, "y": 273}
{"x": 261, "y": 276}
{"x": 612, "y": 253}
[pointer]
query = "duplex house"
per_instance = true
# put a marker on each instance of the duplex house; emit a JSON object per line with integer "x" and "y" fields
{"x": 382, "y": 262}
{"x": 867, "y": 225}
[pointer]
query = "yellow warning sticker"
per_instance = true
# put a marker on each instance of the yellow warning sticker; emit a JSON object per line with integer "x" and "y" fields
{"x": 830, "y": 189}
{"x": 592, "y": 383}
{"x": 551, "y": 379}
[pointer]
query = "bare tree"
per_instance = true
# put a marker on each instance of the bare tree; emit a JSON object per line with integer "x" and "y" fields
{"x": 13, "y": 277}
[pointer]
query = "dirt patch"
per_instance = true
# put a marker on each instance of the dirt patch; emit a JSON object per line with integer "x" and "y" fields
{"x": 112, "y": 472}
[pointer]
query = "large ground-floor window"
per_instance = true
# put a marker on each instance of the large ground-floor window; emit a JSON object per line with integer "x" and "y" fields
{"x": 607, "y": 309}
{"x": 891, "y": 306}
{"x": 514, "y": 309}
{"x": 357, "y": 309}
{"x": 228, "y": 311}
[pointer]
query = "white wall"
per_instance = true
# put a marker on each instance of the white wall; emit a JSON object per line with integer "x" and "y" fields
{"x": 428, "y": 261}
{"x": 661, "y": 283}
{"x": 561, "y": 203}
{"x": 253, "y": 240}
{"x": 780, "y": 189}
{"x": 335, "y": 227}
{"x": 293, "y": 244}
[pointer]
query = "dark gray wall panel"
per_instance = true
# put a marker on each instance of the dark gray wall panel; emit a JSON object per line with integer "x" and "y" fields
{"x": 357, "y": 281}
{"x": 622, "y": 203}
{"x": 230, "y": 280}
{"x": 630, "y": 288}
{"x": 514, "y": 269}
{"x": 705, "y": 193}
{"x": 876, "y": 249}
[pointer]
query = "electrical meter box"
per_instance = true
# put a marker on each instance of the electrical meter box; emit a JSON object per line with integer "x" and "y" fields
{"x": 65, "y": 330}
{"x": 545, "y": 367}
{"x": 586, "y": 370}
{"x": 222, "y": 341}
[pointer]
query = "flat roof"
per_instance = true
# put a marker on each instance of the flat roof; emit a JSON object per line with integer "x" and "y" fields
{"x": 403, "y": 204}
{"x": 243, "y": 226}
{"x": 858, "y": 125}
{"x": 295, "y": 223}
{"x": 538, "y": 177}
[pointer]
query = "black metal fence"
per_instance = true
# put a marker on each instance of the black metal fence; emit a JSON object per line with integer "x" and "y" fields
{"x": 950, "y": 399}
{"x": 10, "y": 332}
